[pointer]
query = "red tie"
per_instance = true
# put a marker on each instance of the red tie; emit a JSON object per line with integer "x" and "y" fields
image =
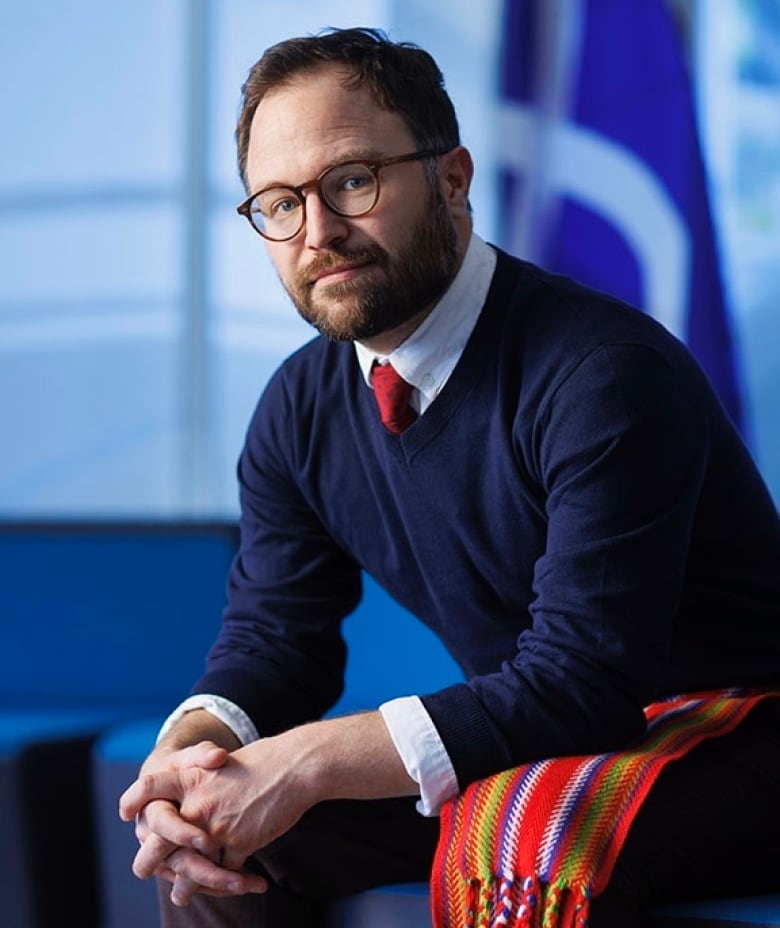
{"x": 392, "y": 394}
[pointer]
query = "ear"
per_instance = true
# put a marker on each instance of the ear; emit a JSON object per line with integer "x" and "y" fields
{"x": 456, "y": 170}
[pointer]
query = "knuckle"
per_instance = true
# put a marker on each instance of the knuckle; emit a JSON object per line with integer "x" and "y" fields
{"x": 219, "y": 831}
{"x": 146, "y": 782}
{"x": 182, "y": 864}
{"x": 165, "y": 873}
{"x": 196, "y": 809}
{"x": 142, "y": 829}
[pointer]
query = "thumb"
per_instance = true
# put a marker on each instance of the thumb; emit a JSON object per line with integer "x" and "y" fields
{"x": 150, "y": 786}
{"x": 205, "y": 754}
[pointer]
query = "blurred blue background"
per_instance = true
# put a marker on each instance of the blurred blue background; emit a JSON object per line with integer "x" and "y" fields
{"x": 139, "y": 316}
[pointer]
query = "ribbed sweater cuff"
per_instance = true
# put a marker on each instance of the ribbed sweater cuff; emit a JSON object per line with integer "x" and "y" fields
{"x": 466, "y": 732}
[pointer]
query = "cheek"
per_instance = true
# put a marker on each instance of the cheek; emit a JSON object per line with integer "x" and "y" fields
{"x": 283, "y": 259}
{"x": 388, "y": 229}
{"x": 404, "y": 216}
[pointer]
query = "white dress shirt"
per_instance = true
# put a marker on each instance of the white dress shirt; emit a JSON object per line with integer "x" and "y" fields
{"x": 425, "y": 360}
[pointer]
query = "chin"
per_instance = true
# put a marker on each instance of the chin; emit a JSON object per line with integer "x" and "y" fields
{"x": 342, "y": 322}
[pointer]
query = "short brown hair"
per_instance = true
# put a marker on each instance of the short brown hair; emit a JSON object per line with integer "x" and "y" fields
{"x": 401, "y": 76}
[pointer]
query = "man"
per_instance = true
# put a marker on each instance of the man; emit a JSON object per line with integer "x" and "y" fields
{"x": 565, "y": 504}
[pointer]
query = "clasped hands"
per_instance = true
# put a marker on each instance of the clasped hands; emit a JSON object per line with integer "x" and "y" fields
{"x": 201, "y": 811}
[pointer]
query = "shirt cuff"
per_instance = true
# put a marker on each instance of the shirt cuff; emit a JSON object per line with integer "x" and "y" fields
{"x": 422, "y": 752}
{"x": 223, "y": 709}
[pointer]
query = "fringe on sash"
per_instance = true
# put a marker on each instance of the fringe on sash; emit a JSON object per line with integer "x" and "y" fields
{"x": 530, "y": 847}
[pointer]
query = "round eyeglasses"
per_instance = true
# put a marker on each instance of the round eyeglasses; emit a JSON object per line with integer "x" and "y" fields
{"x": 349, "y": 189}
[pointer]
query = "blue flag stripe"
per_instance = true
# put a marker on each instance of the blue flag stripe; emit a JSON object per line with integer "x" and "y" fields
{"x": 620, "y": 125}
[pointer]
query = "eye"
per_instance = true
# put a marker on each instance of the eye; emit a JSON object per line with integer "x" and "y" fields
{"x": 354, "y": 183}
{"x": 281, "y": 208}
{"x": 276, "y": 204}
{"x": 346, "y": 181}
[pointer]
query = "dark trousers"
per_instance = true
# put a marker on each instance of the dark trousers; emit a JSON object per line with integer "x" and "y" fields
{"x": 708, "y": 829}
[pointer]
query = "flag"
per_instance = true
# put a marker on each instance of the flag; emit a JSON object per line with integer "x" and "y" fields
{"x": 600, "y": 169}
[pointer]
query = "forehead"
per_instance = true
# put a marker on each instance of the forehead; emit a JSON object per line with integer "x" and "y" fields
{"x": 315, "y": 120}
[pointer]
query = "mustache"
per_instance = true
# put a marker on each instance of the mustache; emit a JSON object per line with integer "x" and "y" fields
{"x": 338, "y": 258}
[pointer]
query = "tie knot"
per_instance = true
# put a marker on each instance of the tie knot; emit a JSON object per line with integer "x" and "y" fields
{"x": 392, "y": 394}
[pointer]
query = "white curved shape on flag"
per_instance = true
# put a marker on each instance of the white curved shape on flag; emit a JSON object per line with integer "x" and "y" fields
{"x": 613, "y": 182}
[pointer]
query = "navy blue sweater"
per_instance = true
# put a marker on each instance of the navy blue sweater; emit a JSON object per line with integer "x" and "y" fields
{"x": 574, "y": 516}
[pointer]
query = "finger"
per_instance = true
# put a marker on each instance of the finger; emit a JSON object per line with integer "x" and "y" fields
{"x": 206, "y": 873}
{"x": 251, "y": 884}
{"x": 164, "y": 872}
{"x": 161, "y": 785}
{"x": 171, "y": 877}
{"x": 205, "y": 754}
{"x": 199, "y": 869}
{"x": 164, "y": 820}
{"x": 142, "y": 828}
{"x": 151, "y": 855}
{"x": 183, "y": 891}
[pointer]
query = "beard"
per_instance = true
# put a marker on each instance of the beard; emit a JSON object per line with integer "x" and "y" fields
{"x": 408, "y": 283}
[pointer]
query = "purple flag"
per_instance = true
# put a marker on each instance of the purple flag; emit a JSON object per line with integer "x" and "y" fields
{"x": 601, "y": 174}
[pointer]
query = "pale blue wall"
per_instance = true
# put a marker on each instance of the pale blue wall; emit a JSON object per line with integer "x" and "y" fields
{"x": 139, "y": 318}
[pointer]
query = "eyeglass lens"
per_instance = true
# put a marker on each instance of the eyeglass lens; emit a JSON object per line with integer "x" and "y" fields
{"x": 348, "y": 189}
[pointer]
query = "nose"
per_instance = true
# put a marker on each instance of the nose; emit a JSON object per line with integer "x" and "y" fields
{"x": 323, "y": 226}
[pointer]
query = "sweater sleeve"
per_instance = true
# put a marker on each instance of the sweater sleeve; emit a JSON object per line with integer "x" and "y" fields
{"x": 279, "y": 654}
{"x": 619, "y": 447}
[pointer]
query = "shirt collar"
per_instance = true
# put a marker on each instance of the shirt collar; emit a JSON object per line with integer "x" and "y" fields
{"x": 427, "y": 358}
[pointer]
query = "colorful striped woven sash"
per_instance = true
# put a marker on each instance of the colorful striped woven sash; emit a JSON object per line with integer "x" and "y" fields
{"x": 528, "y": 848}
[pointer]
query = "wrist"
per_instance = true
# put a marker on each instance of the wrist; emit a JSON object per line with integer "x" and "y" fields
{"x": 307, "y": 762}
{"x": 352, "y": 757}
{"x": 192, "y": 728}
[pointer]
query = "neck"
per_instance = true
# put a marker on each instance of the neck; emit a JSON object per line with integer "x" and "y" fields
{"x": 386, "y": 342}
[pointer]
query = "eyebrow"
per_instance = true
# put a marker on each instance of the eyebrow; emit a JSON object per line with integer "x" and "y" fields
{"x": 357, "y": 154}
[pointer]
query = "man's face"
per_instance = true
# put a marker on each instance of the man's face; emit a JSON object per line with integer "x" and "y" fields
{"x": 352, "y": 278}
